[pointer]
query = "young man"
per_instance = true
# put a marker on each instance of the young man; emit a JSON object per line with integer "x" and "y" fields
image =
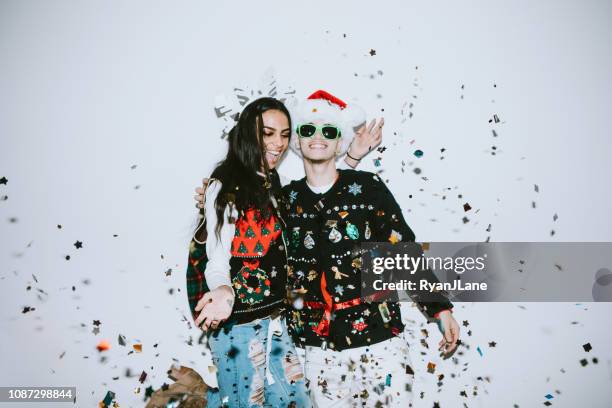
{"x": 355, "y": 351}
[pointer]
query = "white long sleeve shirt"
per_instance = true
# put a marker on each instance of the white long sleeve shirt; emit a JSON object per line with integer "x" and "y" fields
{"x": 217, "y": 270}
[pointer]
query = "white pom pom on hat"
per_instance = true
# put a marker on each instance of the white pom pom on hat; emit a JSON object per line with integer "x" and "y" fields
{"x": 321, "y": 106}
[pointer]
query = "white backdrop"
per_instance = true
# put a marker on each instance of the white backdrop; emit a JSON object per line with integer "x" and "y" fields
{"x": 88, "y": 90}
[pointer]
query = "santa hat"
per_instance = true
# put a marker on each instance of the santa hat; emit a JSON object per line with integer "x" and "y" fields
{"x": 324, "y": 107}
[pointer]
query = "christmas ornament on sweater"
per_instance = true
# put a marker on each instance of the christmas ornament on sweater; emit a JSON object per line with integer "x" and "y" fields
{"x": 352, "y": 231}
{"x": 309, "y": 242}
{"x": 295, "y": 237}
{"x": 334, "y": 235}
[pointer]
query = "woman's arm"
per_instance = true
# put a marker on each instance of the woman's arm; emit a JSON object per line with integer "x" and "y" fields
{"x": 217, "y": 272}
{"x": 217, "y": 304}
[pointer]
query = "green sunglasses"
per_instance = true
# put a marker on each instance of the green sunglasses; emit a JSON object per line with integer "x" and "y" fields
{"x": 328, "y": 131}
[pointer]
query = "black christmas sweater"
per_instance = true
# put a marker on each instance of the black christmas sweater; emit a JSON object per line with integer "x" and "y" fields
{"x": 324, "y": 235}
{"x": 257, "y": 265}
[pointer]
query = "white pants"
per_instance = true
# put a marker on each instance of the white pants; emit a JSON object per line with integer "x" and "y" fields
{"x": 377, "y": 375}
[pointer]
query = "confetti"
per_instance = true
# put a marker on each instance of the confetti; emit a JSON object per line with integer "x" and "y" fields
{"x": 27, "y": 309}
{"x": 110, "y": 396}
{"x": 103, "y": 345}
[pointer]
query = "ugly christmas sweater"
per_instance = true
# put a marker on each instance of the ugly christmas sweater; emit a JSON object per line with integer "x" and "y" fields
{"x": 249, "y": 256}
{"x": 323, "y": 234}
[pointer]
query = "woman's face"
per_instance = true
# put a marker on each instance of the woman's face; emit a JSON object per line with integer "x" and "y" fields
{"x": 276, "y": 136}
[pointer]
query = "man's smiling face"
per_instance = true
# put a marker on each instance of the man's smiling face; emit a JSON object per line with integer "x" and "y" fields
{"x": 317, "y": 148}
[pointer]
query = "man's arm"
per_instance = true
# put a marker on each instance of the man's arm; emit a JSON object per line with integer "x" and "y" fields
{"x": 390, "y": 226}
{"x": 366, "y": 139}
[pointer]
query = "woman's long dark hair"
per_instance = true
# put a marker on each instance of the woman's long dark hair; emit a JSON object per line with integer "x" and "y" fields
{"x": 241, "y": 185}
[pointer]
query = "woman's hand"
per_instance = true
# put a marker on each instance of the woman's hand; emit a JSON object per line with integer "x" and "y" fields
{"x": 214, "y": 307}
{"x": 450, "y": 330}
{"x": 199, "y": 197}
{"x": 367, "y": 138}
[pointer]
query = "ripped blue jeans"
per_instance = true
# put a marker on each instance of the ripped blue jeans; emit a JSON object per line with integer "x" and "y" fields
{"x": 254, "y": 372}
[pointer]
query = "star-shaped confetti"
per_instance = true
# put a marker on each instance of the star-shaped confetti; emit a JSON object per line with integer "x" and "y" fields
{"x": 78, "y": 244}
{"x": 3, "y": 180}
{"x": 339, "y": 289}
{"x": 372, "y": 52}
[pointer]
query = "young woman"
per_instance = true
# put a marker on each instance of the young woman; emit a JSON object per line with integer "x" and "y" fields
{"x": 246, "y": 274}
